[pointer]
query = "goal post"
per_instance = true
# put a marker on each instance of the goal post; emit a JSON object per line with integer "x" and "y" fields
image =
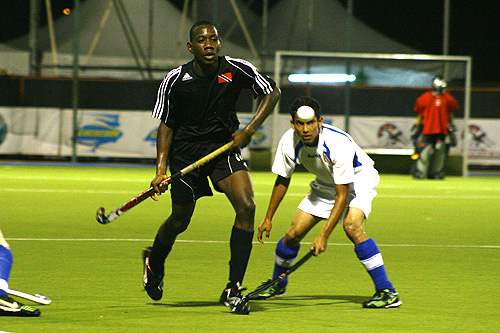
{"x": 393, "y": 78}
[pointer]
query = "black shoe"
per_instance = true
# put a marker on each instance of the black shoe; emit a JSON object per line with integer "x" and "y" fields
{"x": 233, "y": 299}
{"x": 439, "y": 175}
{"x": 418, "y": 175}
{"x": 9, "y": 307}
{"x": 383, "y": 299}
{"x": 153, "y": 282}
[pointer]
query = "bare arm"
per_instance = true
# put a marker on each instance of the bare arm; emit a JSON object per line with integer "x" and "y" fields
{"x": 163, "y": 142}
{"x": 242, "y": 138}
{"x": 319, "y": 244}
{"x": 279, "y": 191}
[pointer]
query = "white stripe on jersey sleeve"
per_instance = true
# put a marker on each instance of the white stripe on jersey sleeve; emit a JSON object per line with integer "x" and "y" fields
{"x": 261, "y": 80}
{"x": 160, "y": 98}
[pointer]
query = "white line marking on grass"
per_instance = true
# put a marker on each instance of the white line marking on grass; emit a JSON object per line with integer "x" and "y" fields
{"x": 439, "y": 196}
{"x": 68, "y": 190}
{"x": 291, "y": 194}
{"x": 226, "y": 242}
{"x": 80, "y": 179}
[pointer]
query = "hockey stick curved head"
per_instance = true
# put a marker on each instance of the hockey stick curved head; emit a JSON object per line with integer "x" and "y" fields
{"x": 43, "y": 299}
{"x": 101, "y": 217}
{"x": 241, "y": 307}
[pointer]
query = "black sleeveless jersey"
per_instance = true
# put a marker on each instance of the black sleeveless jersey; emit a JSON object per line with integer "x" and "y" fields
{"x": 203, "y": 109}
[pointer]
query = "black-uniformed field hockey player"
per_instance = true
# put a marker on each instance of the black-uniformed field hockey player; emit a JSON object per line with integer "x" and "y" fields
{"x": 196, "y": 109}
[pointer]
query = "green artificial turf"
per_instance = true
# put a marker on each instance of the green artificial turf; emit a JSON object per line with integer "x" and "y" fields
{"x": 440, "y": 241}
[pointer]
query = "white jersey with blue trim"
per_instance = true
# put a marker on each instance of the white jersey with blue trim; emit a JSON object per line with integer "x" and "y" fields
{"x": 335, "y": 160}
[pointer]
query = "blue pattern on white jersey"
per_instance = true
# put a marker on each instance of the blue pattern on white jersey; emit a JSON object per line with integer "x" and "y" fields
{"x": 297, "y": 150}
{"x": 335, "y": 160}
{"x": 355, "y": 162}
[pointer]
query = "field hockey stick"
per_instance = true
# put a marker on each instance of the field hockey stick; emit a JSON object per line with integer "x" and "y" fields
{"x": 252, "y": 295}
{"x": 38, "y": 298}
{"x": 105, "y": 219}
{"x": 242, "y": 307}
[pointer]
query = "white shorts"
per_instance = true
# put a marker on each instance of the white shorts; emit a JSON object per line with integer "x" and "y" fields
{"x": 320, "y": 199}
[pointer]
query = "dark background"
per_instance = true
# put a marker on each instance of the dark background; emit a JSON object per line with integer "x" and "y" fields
{"x": 474, "y": 26}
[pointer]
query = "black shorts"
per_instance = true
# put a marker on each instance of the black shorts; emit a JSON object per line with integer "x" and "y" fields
{"x": 432, "y": 139}
{"x": 194, "y": 184}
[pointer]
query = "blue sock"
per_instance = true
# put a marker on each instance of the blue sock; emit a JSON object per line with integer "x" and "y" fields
{"x": 284, "y": 258}
{"x": 5, "y": 267}
{"x": 369, "y": 255}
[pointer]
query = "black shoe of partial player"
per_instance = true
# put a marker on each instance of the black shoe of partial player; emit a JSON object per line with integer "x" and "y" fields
{"x": 233, "y": 299}
{"x": 153, "y": 282}
{"x": 10, "y": 307}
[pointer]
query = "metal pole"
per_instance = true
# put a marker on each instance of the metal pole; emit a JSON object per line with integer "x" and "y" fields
{"x": 265, "y": 19}
{"x": 465, "y": 150}
{"x": 446, "y": 32}
{"x": 149, "y": 54}
{"x": 52, "y": 34}
{"x": 129, "y": 39}
{"x": 347, "y": 96}
{"x": 277, "y": 79}
{"x": 310, "y": 16}
{"x": 76, "y": 50}
{"x": 97, "y": 35}
{"x": 33, "y": 33}
{"x": 180, "y": 36}
{"x": 245, "y": 30}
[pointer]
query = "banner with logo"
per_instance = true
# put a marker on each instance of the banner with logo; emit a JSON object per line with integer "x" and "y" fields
{"x": 45, "y": 131}
{"x": 132, "y": 134}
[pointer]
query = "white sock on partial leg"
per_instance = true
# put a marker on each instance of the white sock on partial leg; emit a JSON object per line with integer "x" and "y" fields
{"x": 4, "y": 287}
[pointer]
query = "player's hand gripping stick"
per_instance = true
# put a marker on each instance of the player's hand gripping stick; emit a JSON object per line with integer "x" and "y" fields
{"x": 102, "y": 218}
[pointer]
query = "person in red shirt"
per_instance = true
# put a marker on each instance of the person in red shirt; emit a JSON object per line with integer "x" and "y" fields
{"x": 435, "y": 119}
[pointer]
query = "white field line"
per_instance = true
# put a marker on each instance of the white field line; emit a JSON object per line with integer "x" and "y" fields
{"x": 293, "y": 194}
{"x": 147, "y": 180}
{"x": 78, "y": 179}
{"x": 226, "y": 242}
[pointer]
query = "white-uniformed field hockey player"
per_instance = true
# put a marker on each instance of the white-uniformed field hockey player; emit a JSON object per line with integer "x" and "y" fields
{"x": 196, "y": 108}
{"x": 344, "y": 188}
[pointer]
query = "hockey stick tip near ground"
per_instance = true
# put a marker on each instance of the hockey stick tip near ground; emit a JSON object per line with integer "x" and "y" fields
{"x": 252, "y": 295}
{"x": 101, "y": 216}
{"x": 38, "y": 298}
{"x": 243, "y": 308}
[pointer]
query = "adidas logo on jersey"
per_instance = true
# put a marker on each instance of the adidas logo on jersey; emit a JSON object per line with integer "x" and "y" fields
{"x": 187, "y": 77}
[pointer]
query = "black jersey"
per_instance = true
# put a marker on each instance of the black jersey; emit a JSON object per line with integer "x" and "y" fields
{"x": 203, "y": 109}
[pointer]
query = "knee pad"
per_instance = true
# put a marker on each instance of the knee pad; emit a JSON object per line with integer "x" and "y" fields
{"x": 422, "y": 167}
{"x": 439, "y": 160}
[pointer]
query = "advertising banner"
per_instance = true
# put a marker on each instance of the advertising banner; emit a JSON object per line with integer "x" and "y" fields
{"x": 132, "y": 134}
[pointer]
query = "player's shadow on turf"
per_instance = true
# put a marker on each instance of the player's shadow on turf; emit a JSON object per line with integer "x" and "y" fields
{"x": 285, "y": 302}
{"x": 343, "y": 298}
{"x": 295, "y": 301}
{"x": 187, "y": 304}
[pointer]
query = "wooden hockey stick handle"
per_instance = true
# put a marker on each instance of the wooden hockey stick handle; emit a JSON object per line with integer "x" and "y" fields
{"x": 206, "y": 159}
{"x": 105, "y": 219}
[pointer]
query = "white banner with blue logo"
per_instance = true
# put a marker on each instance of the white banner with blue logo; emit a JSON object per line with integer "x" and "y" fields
{"x": 132, "y": 134}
